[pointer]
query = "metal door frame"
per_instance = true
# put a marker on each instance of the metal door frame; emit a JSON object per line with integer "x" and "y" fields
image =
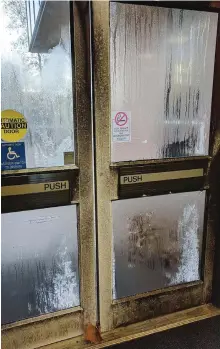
{"x": 54, "y": 327}
{"x": 50, "y": 328}
{"x": 114, "y": 313}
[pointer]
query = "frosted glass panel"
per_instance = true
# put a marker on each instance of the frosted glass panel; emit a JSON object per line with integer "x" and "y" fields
{"x": 162, "y": 63}
{"x": 39, "y": 85}
{"x": 157, "y": 242}
{"x": 39, "y": 262}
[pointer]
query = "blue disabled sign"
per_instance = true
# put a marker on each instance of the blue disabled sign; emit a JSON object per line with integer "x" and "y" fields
{"x": 13, "y": 156}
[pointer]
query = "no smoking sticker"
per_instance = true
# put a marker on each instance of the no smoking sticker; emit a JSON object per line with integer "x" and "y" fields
{"x": 121, "y": 126}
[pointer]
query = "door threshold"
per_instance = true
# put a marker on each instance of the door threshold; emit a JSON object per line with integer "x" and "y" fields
{"x": 141, "y": 329}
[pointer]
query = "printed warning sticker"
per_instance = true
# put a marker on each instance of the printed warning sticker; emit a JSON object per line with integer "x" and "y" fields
{"x": 13, "y": 126}
{"x": 121, "y": 126}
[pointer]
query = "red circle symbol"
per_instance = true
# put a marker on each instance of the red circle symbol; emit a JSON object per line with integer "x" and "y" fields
{"x": 121, "y": 118}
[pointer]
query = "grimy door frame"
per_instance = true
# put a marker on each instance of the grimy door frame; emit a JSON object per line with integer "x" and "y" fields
{"x": 50, "y": 328}
{"x": 114, "y": 313}
{"x": 56, "y": 327}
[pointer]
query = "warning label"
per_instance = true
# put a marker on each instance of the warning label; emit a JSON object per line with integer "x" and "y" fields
{"x": 121, "y": 126}
{"x": 13, "y": 126}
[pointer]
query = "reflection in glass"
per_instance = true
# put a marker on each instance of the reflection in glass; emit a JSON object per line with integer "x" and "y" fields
{"x": 38, "y": 84}
{"x": 39, "y": 262}
{"x": 157, "y": 242}
{"x": 162, "y": 63}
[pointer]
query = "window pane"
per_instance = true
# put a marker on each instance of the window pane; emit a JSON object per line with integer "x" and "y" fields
{"x": 32, "y": 16}
{"x": 28, "y": 22}
{"x": 157, "y": 242}
{"x": 36, "y": 8}
{"x": 39, "y": 262}
{"x": 38, "y": 84}
{"x": 162, "y": 63}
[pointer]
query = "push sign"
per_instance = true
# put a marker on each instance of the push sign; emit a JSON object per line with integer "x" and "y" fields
{"x": 13, "y": 156}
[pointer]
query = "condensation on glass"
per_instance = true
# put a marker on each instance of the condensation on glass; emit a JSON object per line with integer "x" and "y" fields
{"x": 162, "y": 63}
{"x": 157, "y": 242}
{"x": 39, "y": 84}
{"x": 39, "y": 262}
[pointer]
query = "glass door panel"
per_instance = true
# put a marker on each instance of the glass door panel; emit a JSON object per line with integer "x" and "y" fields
{"x": 39, "y": 262}
{"x": 157, "y": 242}
{"x": 30, "y": 86}
{"x": 161, "y": 67}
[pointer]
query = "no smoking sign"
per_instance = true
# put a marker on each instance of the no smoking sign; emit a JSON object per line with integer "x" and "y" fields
{"x": 121, "y": 119}
{"x": 121, "y": 126}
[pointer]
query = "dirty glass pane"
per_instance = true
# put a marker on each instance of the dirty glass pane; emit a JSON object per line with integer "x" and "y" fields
{"x": 32, "y": 15}
{"x": 37, "y": 78}
{"x": 157, "y": 242}
{"x": 39, "y": 262}
{"x": 162, "y": 63}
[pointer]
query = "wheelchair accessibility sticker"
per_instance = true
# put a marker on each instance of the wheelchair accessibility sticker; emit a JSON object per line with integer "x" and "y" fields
{"x": 13, "y": 156}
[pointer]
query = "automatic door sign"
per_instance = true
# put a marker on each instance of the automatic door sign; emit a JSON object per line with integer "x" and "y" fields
{"x": 13, "y": 126}
{"x": 13, "y": 156}
{"x": 121, "y": 126}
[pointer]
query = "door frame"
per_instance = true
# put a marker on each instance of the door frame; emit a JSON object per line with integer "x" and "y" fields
{"x": 61, "y": 325}
{"x": 51, "y": 328}
{"x": 115, "y": 313}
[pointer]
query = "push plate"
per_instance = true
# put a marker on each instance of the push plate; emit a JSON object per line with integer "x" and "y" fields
{"x": 24, "y": 189}
{"x": 136, "y": 181}
{"x": 161, "y": 176}
{"x": 33, "y": 191}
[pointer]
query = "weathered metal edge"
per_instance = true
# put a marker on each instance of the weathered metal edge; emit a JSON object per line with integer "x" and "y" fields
{"x": 158, "y": 161}
{"x": 104, "y": 177}
{"x": 40, "y": 318}
{"x": 142, "y": 329}
{"x": 40, "y": 170}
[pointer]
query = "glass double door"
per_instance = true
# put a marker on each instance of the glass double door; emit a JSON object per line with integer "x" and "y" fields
{"x": 106, "y": 148}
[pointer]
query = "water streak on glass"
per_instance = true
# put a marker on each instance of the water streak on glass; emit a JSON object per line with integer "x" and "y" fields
{"x": 157, "y": 242}
{"x": 39, "y": 262}
{"x": 39, "y": 85}
{"x": 162, "y": 63}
